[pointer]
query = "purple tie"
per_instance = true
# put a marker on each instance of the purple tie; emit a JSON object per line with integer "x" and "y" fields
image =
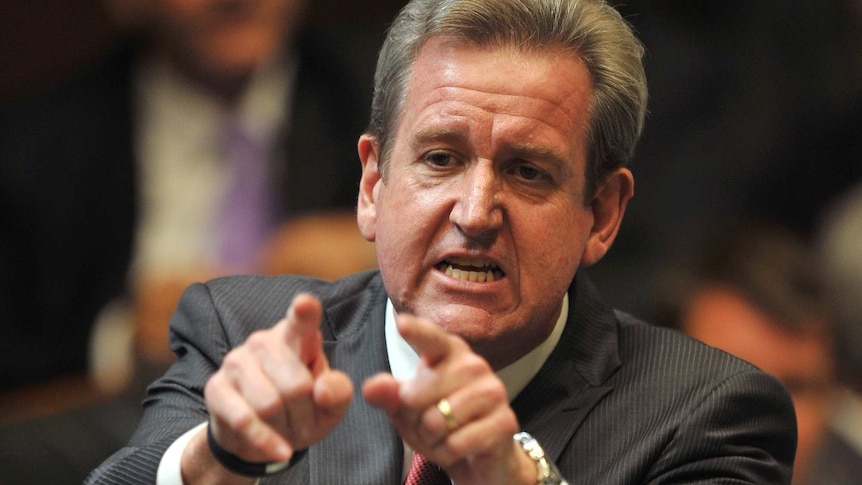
{"x": 423, "y": 472}
{"x": 245, "y": 218}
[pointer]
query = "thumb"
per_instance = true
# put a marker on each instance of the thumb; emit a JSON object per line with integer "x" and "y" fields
{"x": 382, "y": 391}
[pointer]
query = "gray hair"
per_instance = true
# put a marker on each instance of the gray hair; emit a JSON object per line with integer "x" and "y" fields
{"x": 590, "y": 29}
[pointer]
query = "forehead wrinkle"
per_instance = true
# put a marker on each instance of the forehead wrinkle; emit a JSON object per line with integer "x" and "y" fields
{"x": 438, "y": 131}
{"x": 506, "y": 103}
{"x": 453, "y": 125}
{"x": 501, "y": 105}
{"x": 489, "y": 102}
{"x": 496, "y": 93}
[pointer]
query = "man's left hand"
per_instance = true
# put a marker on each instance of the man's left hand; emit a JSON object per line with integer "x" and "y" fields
{"x": 475, "y": 446}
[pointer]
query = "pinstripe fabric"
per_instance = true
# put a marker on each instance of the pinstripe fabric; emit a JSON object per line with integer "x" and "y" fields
{"x": 618, "y": 402}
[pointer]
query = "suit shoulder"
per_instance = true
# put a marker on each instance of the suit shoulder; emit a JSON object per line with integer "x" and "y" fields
{"x": 679, "y": 410}
{"x": 289, "y": 285}
{"x": 266, "y": 298}
{"x": 674, "y": 352}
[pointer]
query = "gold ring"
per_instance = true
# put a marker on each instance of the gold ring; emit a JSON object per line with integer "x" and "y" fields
{"x": 446, "y": 410}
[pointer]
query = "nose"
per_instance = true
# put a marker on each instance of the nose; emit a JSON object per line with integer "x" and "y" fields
{"x": 477, "y": 211}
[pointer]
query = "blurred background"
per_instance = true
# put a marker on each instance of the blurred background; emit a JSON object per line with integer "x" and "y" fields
{"x": 755, "y": 119}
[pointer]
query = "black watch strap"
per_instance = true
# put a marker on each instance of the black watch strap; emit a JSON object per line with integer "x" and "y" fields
{"x": 239, "y": 466}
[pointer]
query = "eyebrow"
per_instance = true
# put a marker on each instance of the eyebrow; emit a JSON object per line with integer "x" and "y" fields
{"x": 531, "y": 151}
{"x": 430, "y": 134}
{"x": 524, "y": 150}
{"x": 446, "y": 134}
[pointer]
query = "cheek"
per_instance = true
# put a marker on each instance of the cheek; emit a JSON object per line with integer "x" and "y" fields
{"x": 557, "y": 236}
{"x": 549, "y": 255}
{"x": 397, "y": 230}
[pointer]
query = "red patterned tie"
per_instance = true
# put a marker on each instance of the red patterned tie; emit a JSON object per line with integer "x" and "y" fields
{"x": 423, "y": 472}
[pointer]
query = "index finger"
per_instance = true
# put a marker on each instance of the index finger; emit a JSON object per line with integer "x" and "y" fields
{"x": 302, "y": 331}
{"x": 432, "y": 343}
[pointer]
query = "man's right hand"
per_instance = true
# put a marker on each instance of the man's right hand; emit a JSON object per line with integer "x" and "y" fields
{"x": 273, "y": 395}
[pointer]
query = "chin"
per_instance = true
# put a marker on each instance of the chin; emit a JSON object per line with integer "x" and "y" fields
{"x": 475, "y": 325}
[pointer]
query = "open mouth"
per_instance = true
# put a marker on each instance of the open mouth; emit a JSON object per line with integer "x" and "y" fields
{"x": 471, "y": 269}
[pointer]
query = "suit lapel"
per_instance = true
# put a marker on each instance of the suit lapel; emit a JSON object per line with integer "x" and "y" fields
{"x": 572, "y": 381}
{"x": 364, "y": 446}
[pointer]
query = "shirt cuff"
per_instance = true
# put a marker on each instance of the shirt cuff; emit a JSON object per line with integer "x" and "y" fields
{"x": 170, "y": 467}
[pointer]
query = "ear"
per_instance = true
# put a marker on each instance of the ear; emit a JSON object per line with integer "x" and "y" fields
{"x": 366, "y": 208}
{"x": 608, "y": 207}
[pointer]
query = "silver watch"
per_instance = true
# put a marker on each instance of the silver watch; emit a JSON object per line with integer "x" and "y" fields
{"x": 547, "y": 472}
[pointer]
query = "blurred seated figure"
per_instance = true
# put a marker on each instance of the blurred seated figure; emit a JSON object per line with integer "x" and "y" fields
{"x": 757, "y": 292}
{"x": 839, "y": 243}
{"x": 198, "y": 148}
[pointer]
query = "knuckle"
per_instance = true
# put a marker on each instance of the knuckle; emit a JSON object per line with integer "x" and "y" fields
{"x": 459, "y": 344}
{"x": 297, "y": 388}
{"x": 507, "y": 422}
{"x": 257, "y": 436}
{"x": 258, "y": 340}
{"x": 269, "y": 408}
{"x": 304, "y": 433}
{"x": 458, "y": 448}
{"x": 474, "y": 365}
{"x": 214, "y": 385}
{"x": 241, "y": 422}
{"x": 509, "y": 427}
{"x": 233, "y": 361}
{"x": 493, "y": 389}
{"x": 429, "y": 419}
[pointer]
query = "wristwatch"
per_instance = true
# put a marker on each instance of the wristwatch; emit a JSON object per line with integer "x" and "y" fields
{"x": 547, "y": 472}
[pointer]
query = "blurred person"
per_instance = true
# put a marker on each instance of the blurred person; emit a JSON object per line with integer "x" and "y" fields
{"x": 757, "y": 291}
{"x": 214, "y": 140}
{"x": 838, "y": 240}
{"x": 493, "y": 172}
{"x": 116, "y": 193}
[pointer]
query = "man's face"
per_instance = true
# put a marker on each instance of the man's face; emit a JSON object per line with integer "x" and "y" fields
{"x": 480, "y": 222}
{"x": 224, "y": 38}
{"x": 802, "y": 362}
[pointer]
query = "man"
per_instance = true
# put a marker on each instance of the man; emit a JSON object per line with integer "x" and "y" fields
{"x": 493, "y": 170}
{"x": 759, "y": 293}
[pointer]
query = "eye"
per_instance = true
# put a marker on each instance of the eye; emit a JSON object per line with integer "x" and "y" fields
{"x": 527, "y": 172}
{"x": 439, "y": 159}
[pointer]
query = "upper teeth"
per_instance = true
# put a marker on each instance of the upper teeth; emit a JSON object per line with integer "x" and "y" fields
{"x": 480, "y": 276}
{"x": 484, "y": 269}
{"x": 474, "y": 262}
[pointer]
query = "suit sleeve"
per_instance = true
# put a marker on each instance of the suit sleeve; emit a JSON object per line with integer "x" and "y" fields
{"x": 175, "y": 402}
{"x": 743, "y": 431}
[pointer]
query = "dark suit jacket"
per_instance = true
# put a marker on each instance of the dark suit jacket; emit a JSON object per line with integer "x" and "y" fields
{"x": 68, "y": 192}
{"x": 617, "y": 402}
